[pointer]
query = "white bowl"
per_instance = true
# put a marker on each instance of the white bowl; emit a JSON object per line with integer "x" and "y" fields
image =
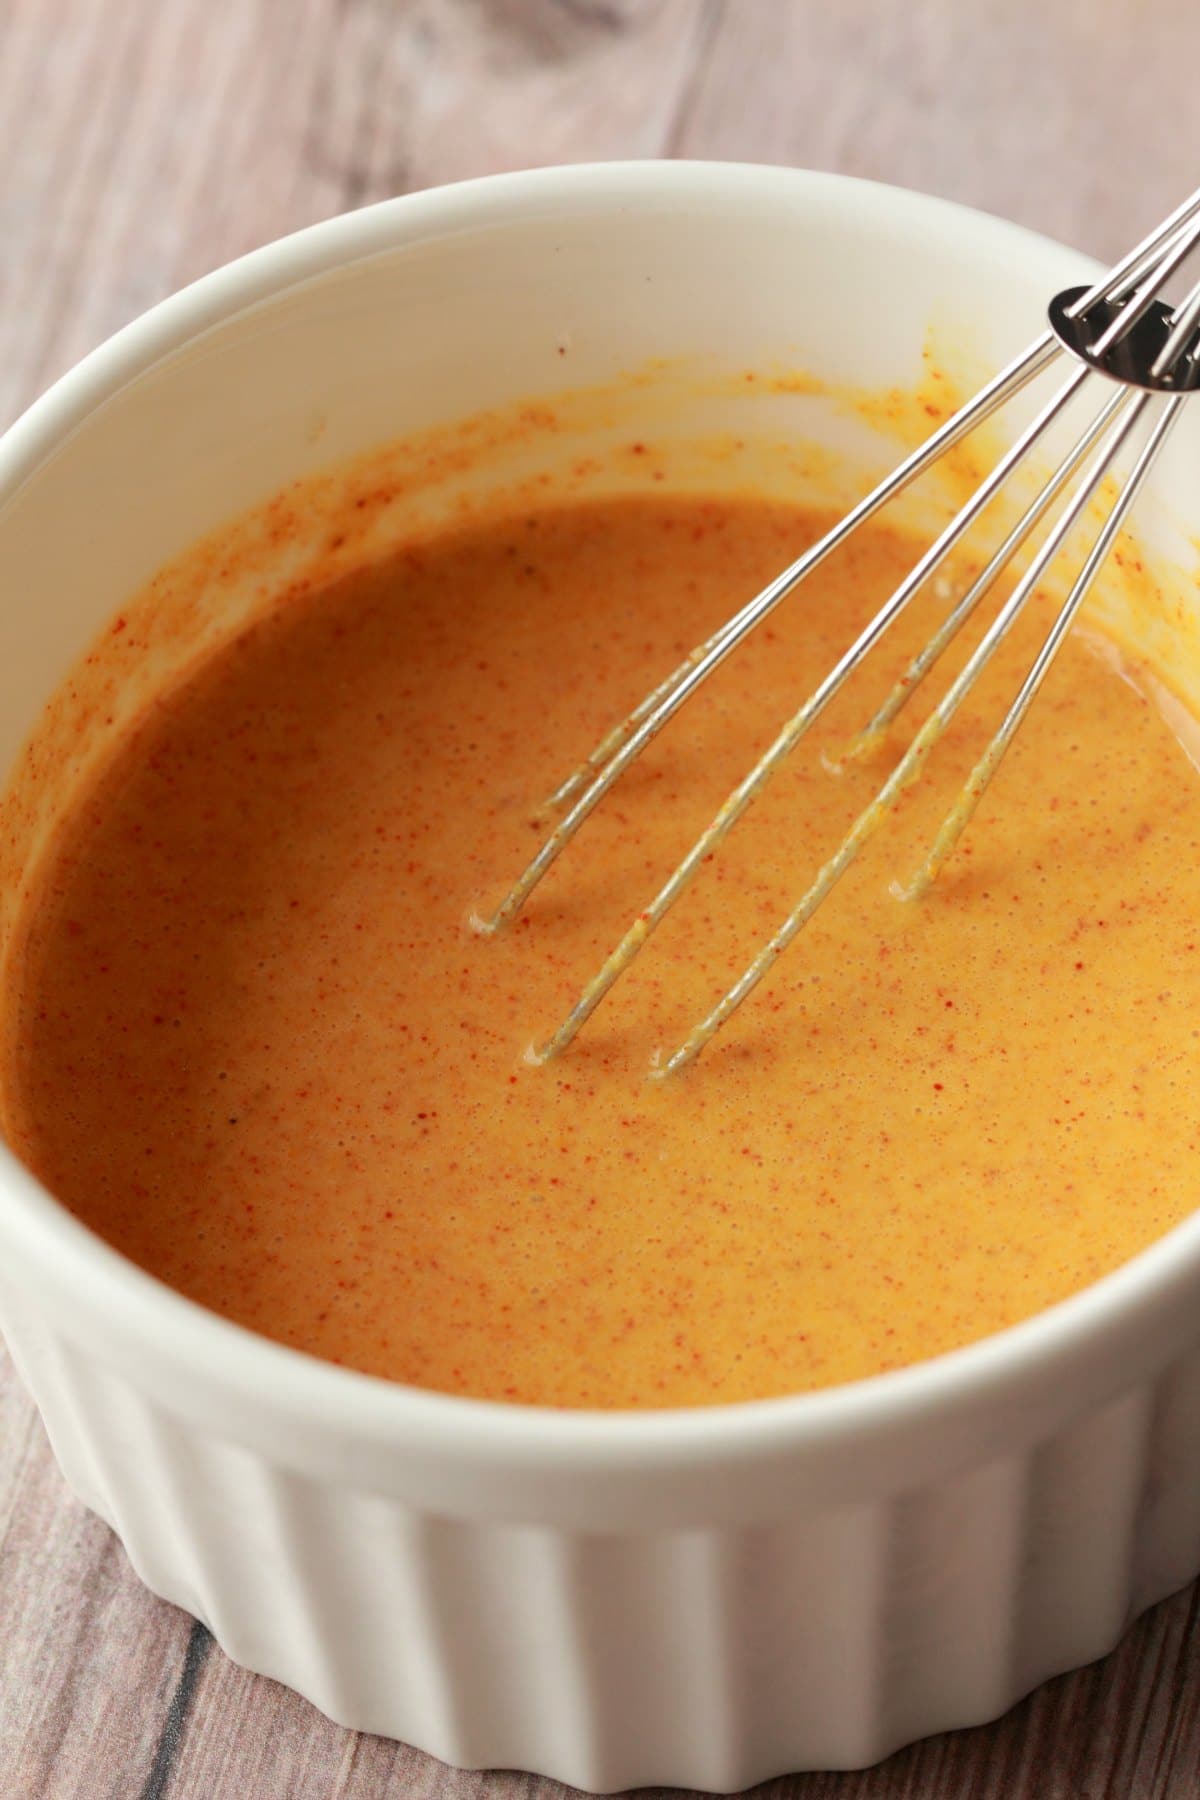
{"x": 703, "y": 1597}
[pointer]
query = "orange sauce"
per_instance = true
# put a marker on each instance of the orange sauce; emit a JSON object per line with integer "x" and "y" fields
{"x": 251, "y": 1040}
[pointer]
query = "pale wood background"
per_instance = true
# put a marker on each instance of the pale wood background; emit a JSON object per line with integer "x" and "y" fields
{"x": 144, "y": 141}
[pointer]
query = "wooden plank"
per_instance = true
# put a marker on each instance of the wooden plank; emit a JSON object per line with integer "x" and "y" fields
{"x": 1065, "y": 116}
{"x": 146, "y": 144}
{"x": 143, "y": 143}
{"x": 87, "y": 1656}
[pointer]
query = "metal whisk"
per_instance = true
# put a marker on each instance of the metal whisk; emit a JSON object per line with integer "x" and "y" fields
{"x": 1120, "y": 328}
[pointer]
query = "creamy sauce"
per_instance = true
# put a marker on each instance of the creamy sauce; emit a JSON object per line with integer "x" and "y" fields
{"x": 252, "y": 1041}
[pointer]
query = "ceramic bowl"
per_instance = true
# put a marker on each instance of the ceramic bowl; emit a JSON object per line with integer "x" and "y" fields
{"x": 704, "y": 1597}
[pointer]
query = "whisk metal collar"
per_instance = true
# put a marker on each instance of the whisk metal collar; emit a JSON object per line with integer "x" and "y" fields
{"x": 1133, "y": 356}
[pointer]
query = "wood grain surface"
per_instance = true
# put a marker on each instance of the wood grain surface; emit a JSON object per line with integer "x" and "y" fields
{"x": 145, "y": 141}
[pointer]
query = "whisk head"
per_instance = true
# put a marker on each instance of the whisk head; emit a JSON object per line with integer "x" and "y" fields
{"x": 1145, "y": 353}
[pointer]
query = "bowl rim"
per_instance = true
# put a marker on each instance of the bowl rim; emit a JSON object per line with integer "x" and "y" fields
{"x": 85, "y": 1273}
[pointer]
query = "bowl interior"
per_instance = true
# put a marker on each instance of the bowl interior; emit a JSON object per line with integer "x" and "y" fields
{"x": 614, "y": 296}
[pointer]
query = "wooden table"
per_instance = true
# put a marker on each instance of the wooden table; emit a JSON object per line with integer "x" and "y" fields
{"x": 144, "y": 141}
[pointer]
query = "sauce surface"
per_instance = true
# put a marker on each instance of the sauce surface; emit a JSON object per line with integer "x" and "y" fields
{"x": 253, "y": 1042}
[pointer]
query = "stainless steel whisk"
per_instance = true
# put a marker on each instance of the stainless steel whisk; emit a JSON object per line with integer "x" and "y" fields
{"x": 1121, "y": 328}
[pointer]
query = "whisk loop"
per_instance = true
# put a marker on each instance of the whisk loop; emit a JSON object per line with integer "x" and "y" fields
{"x": 1119, "y": 329}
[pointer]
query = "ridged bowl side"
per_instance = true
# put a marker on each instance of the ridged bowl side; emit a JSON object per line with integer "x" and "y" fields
{"x": 701, "y": 1658}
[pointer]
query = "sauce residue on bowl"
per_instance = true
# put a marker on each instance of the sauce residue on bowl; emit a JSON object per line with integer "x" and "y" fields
{"x": 251, "y": 1041}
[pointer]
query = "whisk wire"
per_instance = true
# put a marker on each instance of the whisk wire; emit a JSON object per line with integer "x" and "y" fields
{"x": 1154, "y": 367}
{"x": 908, "y": 683}
{"x": 752, "y": 784}
{"x": 960, "y": 814}
{"x": 910, "y": 766}
{"x": 1144, "y": 297}
{"x": 1125, "y": 275}
{"x": 988, "y": 400}
{"x": 1015, "y": 376}
{"x": 1179, "y": 345}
